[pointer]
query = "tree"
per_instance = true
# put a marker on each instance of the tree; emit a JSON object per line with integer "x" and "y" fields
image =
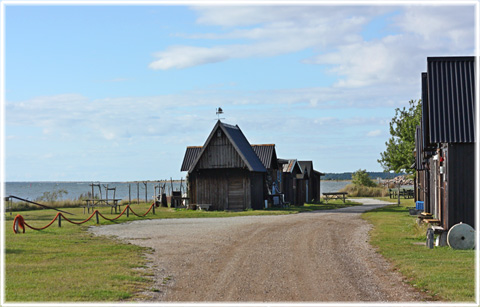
{"x": 361, "y": 177}
{"x": 399, "y": 155}
{"x": 51, "y": 196}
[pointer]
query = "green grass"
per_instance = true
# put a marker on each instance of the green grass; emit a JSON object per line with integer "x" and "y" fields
{"x": 442, "y": 273}
{"x": 68, "y": 264}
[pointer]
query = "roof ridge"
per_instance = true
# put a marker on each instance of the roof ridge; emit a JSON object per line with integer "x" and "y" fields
{"x": 262, "y": 144}
{"x": 230, "y": 126}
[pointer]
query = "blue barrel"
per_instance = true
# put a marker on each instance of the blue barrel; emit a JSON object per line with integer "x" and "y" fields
{"x": 419, "y": 205}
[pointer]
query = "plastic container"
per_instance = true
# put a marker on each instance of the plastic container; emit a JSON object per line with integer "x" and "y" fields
{"x": 419, "y": 205}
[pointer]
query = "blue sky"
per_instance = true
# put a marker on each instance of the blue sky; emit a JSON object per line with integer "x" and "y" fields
{"x": 117, "y": 92}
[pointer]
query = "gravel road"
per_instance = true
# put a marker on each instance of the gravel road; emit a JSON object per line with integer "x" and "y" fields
{"x": 321, "y": 256}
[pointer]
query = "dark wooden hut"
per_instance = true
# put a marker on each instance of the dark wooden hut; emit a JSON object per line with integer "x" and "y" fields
{"x": 312, "y": 181}
{"x": 290, "y": 172}
{"x": 445, "y": 149}
{"x": 225, "y": 172}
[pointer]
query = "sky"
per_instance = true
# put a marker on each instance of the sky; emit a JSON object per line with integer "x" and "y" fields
{"x": 117, "y": 92}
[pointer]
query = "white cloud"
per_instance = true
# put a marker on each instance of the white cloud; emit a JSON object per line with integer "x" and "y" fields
{"x": 374, "y": 133}
{"x": 188, "y": 56}
{"x": 334, "y": 33}
{"x": 441, "y": 26}
{"x": 271, "y": 31}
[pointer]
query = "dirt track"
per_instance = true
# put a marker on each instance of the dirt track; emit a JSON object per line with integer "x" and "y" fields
{"x": 308, "y": 257}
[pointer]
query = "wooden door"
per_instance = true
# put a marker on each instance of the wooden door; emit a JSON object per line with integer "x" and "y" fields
{"x": 236, "y": 192}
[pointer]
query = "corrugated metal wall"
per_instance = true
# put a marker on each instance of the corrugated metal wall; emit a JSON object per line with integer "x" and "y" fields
{"x": 461, "y": 184}
{"x": 190, "y": 155}
{"x": 451, "y": 99}
{"x": 419, "y": 160}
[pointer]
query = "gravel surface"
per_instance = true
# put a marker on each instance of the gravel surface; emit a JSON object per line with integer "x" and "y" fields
{"x": 322, "y": 256}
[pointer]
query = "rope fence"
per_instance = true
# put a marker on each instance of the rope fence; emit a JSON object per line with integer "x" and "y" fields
{"x": 19, "y": 221}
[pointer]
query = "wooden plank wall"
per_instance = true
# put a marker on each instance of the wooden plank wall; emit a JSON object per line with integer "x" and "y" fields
{"x": 220, "y": 153}
{"x": 223, "y": 189}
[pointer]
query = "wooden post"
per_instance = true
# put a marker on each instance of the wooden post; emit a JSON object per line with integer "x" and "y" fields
{"x": 106, "y": 194}
{"x": 138, "y": 193}
{"x": 129, "y": 194}
{"x": 145, "y": 184}
{"x": 430, "y": 238}
{"x": 96, "y": 215}
{"x": 398, "y": 203}
{"x": 153, "y": 208}
{"x": 128, "y": 211}
{"x": 59, "y": 220}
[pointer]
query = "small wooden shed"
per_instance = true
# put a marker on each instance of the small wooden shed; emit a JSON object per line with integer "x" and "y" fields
{"x": 312, "y": 181}
{"x": 290, "y": 172}
{"x": 225, "y": 172}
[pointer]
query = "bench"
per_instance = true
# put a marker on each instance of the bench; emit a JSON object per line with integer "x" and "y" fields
{"x": 334, "y": 195}
{"x": 431, "y": 221}
{"x": 92, "y": 203}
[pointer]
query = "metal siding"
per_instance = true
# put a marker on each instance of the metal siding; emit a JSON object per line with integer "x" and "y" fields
{"x": 450, "y": 105}
{"x": 424, "y": 120}
{"x": 461, "y": 184}
{"x": 266, "y": 154}
{"x": 190, "y": 156}
{"x": 419, "y": 161}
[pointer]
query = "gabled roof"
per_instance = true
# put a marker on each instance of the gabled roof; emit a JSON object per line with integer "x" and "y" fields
{"x": 238, "y": 141}
{"x": 306, "y": 165}
{"x": 290, "y": 166}
{"x": 267, "y": 154}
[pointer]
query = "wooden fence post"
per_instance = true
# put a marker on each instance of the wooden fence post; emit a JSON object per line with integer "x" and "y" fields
{"x": 59, "y": 220}
{"x": 96, "y": 215}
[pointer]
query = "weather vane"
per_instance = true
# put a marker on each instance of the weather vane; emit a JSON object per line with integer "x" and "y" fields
{"x": 219, "y": 111}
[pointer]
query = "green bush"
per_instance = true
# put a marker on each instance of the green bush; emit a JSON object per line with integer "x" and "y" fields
{"x": 361, "y": 178}
{"x": 355, "y": 190}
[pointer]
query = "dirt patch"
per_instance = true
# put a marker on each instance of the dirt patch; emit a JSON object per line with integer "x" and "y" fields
{"x": 321, "y": 256}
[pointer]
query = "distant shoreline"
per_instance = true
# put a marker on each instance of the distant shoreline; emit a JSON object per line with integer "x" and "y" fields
{"x": 91, "y": 181}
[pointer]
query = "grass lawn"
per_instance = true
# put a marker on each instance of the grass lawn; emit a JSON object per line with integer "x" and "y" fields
{"x": 68, "y": 264}
{"x": 443, "y": 273}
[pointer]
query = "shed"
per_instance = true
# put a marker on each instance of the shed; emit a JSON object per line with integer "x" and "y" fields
{"x": 312, "y": 183}
{"x": 225, "y": 172}
{"x": 291, "y": 170}
{"x": 267, "y": 154}
{"x": 448, "y": 137}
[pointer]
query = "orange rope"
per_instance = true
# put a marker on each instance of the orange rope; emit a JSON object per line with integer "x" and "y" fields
{"x": 114, "y": 217}
{"x": 22, "y": 223}
{"x": 78, "y": 223}
{"x": 34, "y": 228}
{"x": 145, "y": 212}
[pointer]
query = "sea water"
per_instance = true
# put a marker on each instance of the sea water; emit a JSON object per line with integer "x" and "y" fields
{"x": 32, "y": 190}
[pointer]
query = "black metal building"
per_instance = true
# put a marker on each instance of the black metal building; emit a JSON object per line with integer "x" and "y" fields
{"x": 445, "y": 142}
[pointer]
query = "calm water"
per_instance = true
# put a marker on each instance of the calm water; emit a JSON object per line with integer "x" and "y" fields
{"x": 33, "y": 190}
